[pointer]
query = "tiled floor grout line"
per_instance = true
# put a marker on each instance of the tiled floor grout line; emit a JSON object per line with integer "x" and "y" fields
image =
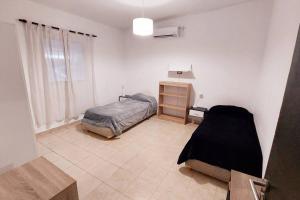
{"x": 156, "y": 187}
{"x": 103, "y": 182}
{"x": 75, "y": 164}
{"x": 87, "y": 151}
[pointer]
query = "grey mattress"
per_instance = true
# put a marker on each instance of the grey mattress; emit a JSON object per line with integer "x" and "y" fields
{"x": 120, "y": 116}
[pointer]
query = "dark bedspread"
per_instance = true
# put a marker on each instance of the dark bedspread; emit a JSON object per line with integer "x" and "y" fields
{"x": 226, "y": 138}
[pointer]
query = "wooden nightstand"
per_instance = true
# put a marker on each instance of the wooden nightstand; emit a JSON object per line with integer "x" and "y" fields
{"x": 196, "y": 114}
{"x": 240, "y": 187}
{"x": 36, "y": 180}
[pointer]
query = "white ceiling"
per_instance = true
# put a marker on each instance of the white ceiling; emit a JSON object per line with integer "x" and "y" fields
{"x": 119, "y": 13}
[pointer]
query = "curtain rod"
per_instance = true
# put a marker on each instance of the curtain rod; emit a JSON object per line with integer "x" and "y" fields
{"x": 57, "y": 28}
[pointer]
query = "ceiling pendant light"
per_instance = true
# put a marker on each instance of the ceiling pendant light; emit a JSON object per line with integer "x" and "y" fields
{"x": 143, "y": 26}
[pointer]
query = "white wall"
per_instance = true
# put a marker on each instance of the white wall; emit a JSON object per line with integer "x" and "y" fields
{"x": 108, "y": 49}
{"x": 17, "y": 144}
{"x": 224, "y": 46}
{"x": 275, "y": 68}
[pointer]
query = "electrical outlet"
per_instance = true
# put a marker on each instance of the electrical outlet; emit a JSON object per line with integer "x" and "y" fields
{"x": 201, "y": 96}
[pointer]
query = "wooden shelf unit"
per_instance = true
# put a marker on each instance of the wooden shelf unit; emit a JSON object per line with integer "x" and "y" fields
{"x": 172, "y": 95}
{"x": 172, "y": 118}
{"x": 184, "y": 96}
{"x": 174, "y": 107}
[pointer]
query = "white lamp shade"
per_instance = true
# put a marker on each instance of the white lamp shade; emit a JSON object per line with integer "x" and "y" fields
{"x": 143, "y": 26}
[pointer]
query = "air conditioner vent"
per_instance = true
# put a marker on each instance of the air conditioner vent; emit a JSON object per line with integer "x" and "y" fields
{"x": 166, "y": 32}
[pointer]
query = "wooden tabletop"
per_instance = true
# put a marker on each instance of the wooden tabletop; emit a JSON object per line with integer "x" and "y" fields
{"x": 37, "y": 180}
{"x": 240, "y": 188}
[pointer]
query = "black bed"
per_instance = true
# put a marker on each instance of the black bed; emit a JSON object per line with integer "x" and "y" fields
{"x": 226, "y": 138}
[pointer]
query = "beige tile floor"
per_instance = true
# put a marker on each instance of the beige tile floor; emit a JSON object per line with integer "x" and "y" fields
{"x": 138, "y": 165}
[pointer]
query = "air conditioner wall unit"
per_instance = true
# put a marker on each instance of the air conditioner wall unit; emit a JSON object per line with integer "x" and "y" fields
{"x": 172, "y": 31}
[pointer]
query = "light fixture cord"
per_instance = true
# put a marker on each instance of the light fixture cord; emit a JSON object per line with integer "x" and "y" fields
{"x": 143, "y": 8}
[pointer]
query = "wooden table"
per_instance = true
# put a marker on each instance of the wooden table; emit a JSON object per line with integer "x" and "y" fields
{"x": 240, "y": 188}
{"x": 37, "y": 180}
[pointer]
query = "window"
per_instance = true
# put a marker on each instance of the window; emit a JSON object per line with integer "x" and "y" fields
{"x": 77, "y": 61}
{"x": 57, "y": 69}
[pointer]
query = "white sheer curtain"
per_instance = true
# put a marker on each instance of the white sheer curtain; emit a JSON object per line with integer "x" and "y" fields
{"x": 60, "y": 70}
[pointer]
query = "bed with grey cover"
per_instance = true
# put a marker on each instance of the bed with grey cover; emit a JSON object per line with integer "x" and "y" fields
{"x": 115, "y": 118}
